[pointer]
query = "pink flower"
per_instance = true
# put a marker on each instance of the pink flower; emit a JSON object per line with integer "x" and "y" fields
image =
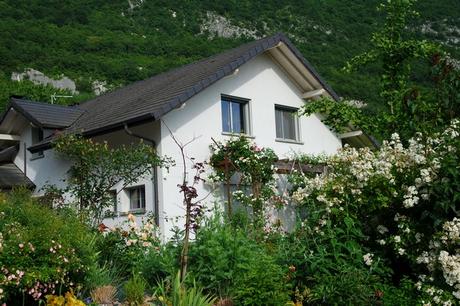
{"x": 21, "y": 245}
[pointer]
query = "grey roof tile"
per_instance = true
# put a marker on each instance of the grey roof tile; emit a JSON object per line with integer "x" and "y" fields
{"x": 11, "y": 176}
{"x": 46, "y": 115}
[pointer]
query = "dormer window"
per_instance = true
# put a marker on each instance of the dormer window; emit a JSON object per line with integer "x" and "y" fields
{"x": 37, "y": 136}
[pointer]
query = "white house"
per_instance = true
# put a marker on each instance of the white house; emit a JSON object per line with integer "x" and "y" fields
{"x": 253, "y": 90}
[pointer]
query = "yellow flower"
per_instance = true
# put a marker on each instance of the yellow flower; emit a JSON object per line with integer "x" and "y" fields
{"x": 54, "y": 300}
{"x": 71, "y": 300}
{"x": 131, "y": 218}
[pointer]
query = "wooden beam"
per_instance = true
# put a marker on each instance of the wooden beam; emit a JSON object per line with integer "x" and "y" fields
{"x": 286, "y": 167}
{"x": 351, "y": 134}
{"x": 9, "y": 137}
{"x": 313, "y": 93}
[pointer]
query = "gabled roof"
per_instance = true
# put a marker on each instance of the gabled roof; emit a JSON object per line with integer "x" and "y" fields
{"x": 11, "y": 176}
{"x": 44, "y": 115}
{"x": 7, "y": 155}
{"x": 152, "y": 98}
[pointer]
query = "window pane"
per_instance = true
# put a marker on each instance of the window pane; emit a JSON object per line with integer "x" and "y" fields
{"x": 134, "y": 198}
{"x": 226, "y": 116}
{"x": 234, "y": 114}
{"x": 137, "y": 198}
{"x": 289, "y": 125}
{"x": 142, "y": 197}
{"x": 237, "y": 117}
{"x": 279, "y": 123}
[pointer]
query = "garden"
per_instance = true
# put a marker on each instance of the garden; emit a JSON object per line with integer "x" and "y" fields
{"x": 380, "y": 226}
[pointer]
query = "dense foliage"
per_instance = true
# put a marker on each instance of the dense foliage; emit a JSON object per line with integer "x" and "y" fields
{"x": 112, "y": 42}
{"x": 228, "y": 263}
{"x": 41, "y": 251}
{"x": 380, "y": 226}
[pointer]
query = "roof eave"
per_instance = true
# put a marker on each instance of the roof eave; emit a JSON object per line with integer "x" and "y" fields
{"x": 96, "y": 132}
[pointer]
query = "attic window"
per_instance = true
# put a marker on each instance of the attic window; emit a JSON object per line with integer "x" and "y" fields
{"x": 235, "y": 118}
{"x": 37, "y": 136}
{"x": 287, "y": 124}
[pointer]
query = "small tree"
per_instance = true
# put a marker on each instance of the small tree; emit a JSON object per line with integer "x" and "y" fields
{"x": 97, "y": 168}
{"x": 395, "y": 50}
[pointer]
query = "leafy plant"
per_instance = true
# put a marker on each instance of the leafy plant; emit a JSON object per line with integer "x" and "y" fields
{"x": 97, "y": 168}
{"x": 177, "y": 294}
{"x": 225, "y": 261}
{"x": 134, "y": 290}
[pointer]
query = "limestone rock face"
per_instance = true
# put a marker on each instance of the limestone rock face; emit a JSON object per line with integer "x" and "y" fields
{"x": 40, "y": 78}
{"x": 219, "y": 26}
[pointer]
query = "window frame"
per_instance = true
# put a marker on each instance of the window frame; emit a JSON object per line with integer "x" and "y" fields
{"x": 290, "y": 109}
{"x": 246, "y": 113}
{"x": 143, "y": 201}
{"x": 37, "y": 135}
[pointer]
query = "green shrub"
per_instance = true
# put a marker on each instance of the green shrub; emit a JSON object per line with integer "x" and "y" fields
{"x": 157, "y": 266}
{"x": 226, "y": 262}
{"x": 350, "y": 286}
{"x": 135, "y": 290}
{"x": 42, "y": 251}
{"x": 402, "y": 295}
{"x": 177, "y": 294}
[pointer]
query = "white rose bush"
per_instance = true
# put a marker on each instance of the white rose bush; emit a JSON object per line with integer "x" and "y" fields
{"x": 403, "y": 201}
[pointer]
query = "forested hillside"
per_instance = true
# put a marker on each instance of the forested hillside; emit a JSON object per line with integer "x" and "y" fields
{"x": 120, "y": 41}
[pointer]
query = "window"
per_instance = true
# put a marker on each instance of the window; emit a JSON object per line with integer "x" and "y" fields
{"x": 136, "y": 198}
{"x": 287, "y": 125}
{"x": 235, "y": 115}
{"x": 37, "y": 136}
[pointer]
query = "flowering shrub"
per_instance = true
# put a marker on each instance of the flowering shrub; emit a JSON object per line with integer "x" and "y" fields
{"x": 125, "y": 247}
{"x": 254, "y": 167}
{"x": 68, "y": 299}
{"x": 404, "y": 199}
{"x": 41, "y": 251}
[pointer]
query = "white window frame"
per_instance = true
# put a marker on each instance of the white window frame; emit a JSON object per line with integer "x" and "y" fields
{"x": 142, "y": 198}
{"x": 294, "y": 110}
{"x": 245, "y": 102}
{"x": 36, "y": 135}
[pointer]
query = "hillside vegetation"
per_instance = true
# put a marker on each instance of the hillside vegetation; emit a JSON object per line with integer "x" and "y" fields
{"x": 121, "y": 41}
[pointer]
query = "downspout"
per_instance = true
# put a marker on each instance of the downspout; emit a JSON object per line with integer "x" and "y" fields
{"x": 154, "y": 172}
{"x": 25, "y": 159}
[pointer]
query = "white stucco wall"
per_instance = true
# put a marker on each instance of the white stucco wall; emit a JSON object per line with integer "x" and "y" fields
{"x": 151, "y": 131}
{"x": 265, "y": 84}
{"x": 51, "y": 169}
